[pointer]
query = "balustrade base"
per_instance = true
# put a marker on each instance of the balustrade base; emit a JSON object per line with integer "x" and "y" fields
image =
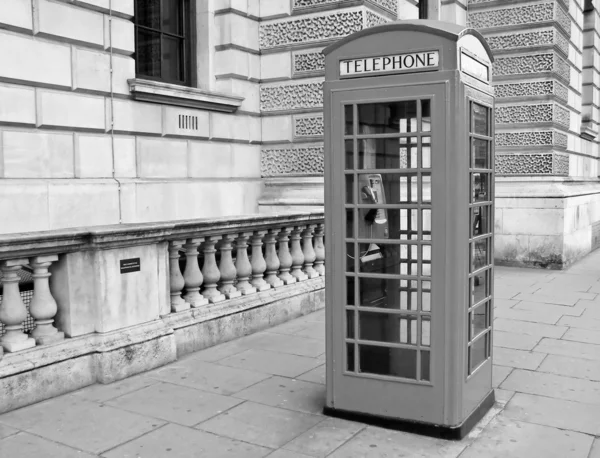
{"x": 216, "y": 299}
{"x": 248, "y": 291}
{"x": 180, "y": 307}
{"x": 233, "y": 294}
{"x": 199, "y": 302}
{"x": 301, "y": 277}
{"x": 312, "y": 275}
{"x": 50, "y": 338}
{"x": 289, "y": 281}
{"x": 262, "y": 288}
{"x": 276, "y": 283}
{"x": 11, "y": 347}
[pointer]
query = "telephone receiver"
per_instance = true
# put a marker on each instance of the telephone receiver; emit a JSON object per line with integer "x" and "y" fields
{"x": 369, "y": 194}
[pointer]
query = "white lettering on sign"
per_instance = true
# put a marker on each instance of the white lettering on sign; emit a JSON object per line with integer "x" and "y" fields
{"x": 474, "y": 68}
{"x": 366, "y": 66}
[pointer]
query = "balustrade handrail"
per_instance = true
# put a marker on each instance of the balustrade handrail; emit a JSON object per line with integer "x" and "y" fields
{"x": 131, "y": 234}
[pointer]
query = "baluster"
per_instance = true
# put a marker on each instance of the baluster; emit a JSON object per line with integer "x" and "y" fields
{"x": 12, "y": 309}
{"x": 210, "y": 271}
{"x": 319, "y": 250}
{"x": 258, "y": 262}
{"x": 192, "y": 275}
{"x": 177, "y": 282}
{"x": 227, "y": 268}
{"x": 297, "y": 256}
{"x": 309, "y": 252}
{"x": 285, "y": 258}
{"x": 242, "y": 264}
{"x": 43, "y": 307}
{"x": 271, "y": 259}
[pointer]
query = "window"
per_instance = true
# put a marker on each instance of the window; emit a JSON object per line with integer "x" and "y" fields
{"x": 423, "y": 9}
{"x": 164, "y": 40}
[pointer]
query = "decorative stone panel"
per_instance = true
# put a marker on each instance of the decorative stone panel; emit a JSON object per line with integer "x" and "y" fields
{"x": 560, "y": 139}
{"x": 310, "y": 29}
{"x": 514, "y": 40}
{"x": 521, "y": 40}
{"x": 532, "y": 164}
{"x": 291, "y": 96}
{"x": 512, "y": 16}
{"x": 530, "y": 138}
{"x": 534, "y": 88}
{"x": 523, "y": 113}
{"x": 308, "y": 126}
{"x": 563, "y": 18}
{"x": 524, "y": 164}
{"x": 561, "y": 164}
{"x": 536, "y": 63}
{"x": 390, "y": 5}
{"x": 373, "y": 19}
{"x": 562, "y": 116}
{"x": 307, "y": 161}
{"x": 307, "y": 62}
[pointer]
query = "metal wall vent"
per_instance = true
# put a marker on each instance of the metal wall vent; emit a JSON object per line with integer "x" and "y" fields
{"x": 188, "y": 122}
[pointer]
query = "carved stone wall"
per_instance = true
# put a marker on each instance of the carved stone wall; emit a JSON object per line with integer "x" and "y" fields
{"x": 524, "y": 113}
{"x": 536, "y": 63}
{"x": 532, "y": 164}
{"x": 293, "y": 96}
{"x": 310, "y": 29}
{"x": 308, "y": 126}
{"x": 389, "y": 5}
{"x": 305, "y": 161}
{"x": 526, "y": 14}
{"x": 307, "y": 62}
{"x": 535, "y": 88}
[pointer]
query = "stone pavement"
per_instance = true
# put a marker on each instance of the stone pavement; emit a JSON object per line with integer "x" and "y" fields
{"x": 262, "y": 395}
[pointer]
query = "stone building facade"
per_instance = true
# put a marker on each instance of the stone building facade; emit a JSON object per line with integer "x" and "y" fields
{"x": 84, "y": 140}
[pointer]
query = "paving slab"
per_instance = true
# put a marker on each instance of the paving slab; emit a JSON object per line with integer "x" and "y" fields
{"x": 25, "y": 445}
{"x": 260, "y": 424}
{"x": 381, "y": 443}
{"x": 175, "y": 403}
{"x": 6, "y": 431}
{"x": 508, "y": 438}
{"x": 499, "y": 374}
{"x": 579, "y": 322}
{"x": 314, "y": 331}
{"x": 529, "y": 328}
{"x": 518, "y": 358}
{"x": 287, "y": 393}
{"x": 574, "y": 367}
{"x": 567, "y": 415}
{"x": 595, "y": 452}
{"x": 203, "y": 375}
{"x": 325, "y": 437}
{"x": 583, "y": 335}
{"x": 79, "y": 423}
{"x": 290, "y": 344}
{"x": 101, "y": 393}
{"x": 569, "y": 348}
{"x": 591, "y": 309}
{"x": 569, "y": 298}
{"x": 554, "y": 386}
{"x": 547, "y": 317}
{"x": 271, "y": 362}
{"x": 545, "y": 308}
{"x": 282, "y": 453}
{"x": 175, "y": 441}
{"x": 316, "y": 375}
{"x": 503, "y": 396}
{"x": 515, "y": 340}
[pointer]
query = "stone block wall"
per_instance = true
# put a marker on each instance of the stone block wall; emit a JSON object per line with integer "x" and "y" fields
{"x": 546, "y": 145}
{"x": 78, "y": 150}
{"x": 291, "y": 37}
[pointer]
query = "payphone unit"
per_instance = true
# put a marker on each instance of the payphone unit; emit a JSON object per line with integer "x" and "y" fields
{"x": 409, "y": 226}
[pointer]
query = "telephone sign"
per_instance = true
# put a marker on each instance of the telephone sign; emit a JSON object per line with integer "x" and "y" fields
{"x": 409, "y": 184}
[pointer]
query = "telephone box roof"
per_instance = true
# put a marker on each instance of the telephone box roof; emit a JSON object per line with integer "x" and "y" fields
{"x": 443, "y": 29}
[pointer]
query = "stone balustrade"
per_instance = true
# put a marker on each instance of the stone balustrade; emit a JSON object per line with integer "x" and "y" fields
{"x": 266, "y": 266}
{"x": 204, "y": 263}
